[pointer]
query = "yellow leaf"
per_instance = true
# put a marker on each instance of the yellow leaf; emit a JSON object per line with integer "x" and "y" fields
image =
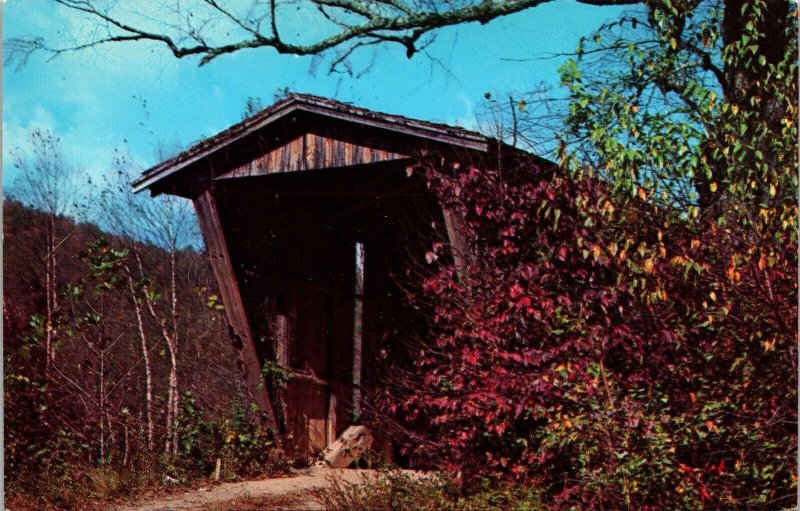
{"x": 649, "y": 267}
{"x": 735, "y": 109}
{"x": 607, "y": 207}
{"x": 596, "y": 251}
{"x": 713, "y": 186}
{"x": 673, "y": 42}
{"x": 772, "y": 190}
{"x": 713, "y": 296}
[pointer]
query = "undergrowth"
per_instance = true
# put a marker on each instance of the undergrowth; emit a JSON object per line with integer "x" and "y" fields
{"x": 396, "y": 490}
{"x": 62, "y": 474}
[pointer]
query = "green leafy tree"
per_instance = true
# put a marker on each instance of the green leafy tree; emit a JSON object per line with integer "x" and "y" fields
{"x": 692, "y": 101}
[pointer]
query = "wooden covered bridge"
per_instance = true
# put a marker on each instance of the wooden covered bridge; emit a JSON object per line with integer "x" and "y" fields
{"x": 307, "y": 210}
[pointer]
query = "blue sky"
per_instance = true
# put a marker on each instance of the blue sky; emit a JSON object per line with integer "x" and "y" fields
{"x": 134, "y": 97}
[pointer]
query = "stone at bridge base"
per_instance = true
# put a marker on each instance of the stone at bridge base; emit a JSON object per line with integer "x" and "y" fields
{"x": 353, "y": 442}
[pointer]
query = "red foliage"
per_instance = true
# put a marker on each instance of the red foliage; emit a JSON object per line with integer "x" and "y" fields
{"x": 613, "y": 353}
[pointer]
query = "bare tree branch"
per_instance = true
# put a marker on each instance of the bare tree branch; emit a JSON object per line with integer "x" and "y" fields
{"x": 211, "y": 28}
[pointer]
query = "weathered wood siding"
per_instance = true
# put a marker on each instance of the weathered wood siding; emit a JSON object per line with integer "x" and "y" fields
{"x": 311, "y": 151}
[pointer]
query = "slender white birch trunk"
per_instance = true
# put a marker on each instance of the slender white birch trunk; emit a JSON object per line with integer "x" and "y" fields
{"x": 146, "y": 355}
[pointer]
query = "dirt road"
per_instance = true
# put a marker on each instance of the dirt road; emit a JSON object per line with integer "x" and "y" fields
{"x": 283, "y": 493}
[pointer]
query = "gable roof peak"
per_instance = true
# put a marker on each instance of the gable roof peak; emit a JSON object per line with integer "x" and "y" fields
{"x": 320, "y": 106}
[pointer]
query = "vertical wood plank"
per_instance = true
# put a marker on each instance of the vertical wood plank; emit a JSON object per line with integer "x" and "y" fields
{"x": 338, "y": 152}
{"x": 358, "y": 328}
{"x": 282, "y": 340}
{"x": 319, "y": 151}
{"x": 284, "y": 158}
{"x": 348, "y": 154}
{"x": 308, "y": 150}
{"x": 328, "y": 152}
{"x": 291, "y": 151}
{"x": 297, "y": 153}
{"x": 453, "y": 223}
{"x": 331, "y": 422}
{"x": 208, "y": 217}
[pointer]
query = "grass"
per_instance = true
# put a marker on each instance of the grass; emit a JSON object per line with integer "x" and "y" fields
{"x": 395, "y": 490}
{"x": 83, "y": 488}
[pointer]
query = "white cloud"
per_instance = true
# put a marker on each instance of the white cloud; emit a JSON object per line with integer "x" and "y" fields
{"x": 92, "y": 155}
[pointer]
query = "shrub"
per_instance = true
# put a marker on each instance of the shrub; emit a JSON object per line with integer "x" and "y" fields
{"x": 395, "y": 490}
{"x": 244, "y": 448}
{"x": 613, "y": 354}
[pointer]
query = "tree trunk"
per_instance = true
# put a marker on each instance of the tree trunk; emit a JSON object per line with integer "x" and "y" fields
{"x": 127, "y": 447}
{"x": 147, "y": 369}
{"x": 171, "y": 434}
{"x": 742, "y": 81}
{"x": 173, "y": 376}
{"x": 171, "y": 440}
{"x": 102, "y": 396}
{"x": 50, "y": 285}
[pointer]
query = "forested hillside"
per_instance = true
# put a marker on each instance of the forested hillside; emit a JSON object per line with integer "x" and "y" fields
{"x": 139, "y": 384}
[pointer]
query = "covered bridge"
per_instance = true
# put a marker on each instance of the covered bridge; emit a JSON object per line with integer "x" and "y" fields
{"x": 307, "y": 210}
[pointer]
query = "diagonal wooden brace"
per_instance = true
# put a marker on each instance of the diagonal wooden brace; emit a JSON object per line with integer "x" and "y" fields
{"x": 206, "y": 207}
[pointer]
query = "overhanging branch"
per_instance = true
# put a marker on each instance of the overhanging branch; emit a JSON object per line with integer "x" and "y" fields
{"x": 356, "y": 23}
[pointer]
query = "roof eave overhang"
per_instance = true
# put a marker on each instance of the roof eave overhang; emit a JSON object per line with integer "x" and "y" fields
{"x": 434, "y": 133}
{"x": 208, "y": 147}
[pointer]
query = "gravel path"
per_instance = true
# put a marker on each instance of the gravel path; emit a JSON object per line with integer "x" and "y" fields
{"x": 286, "y": 492}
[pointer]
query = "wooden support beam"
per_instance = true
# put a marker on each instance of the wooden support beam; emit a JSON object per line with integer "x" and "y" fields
{"x": 206, "y": 207}
{"x": 454, "y": 224}
{"x": 281, "y": 346}
{"x": 358, "y": 328}
{"x": 331, "y": 420}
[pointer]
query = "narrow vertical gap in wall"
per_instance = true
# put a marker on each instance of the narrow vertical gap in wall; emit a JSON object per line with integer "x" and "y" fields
{"x": 358, "y": 328}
